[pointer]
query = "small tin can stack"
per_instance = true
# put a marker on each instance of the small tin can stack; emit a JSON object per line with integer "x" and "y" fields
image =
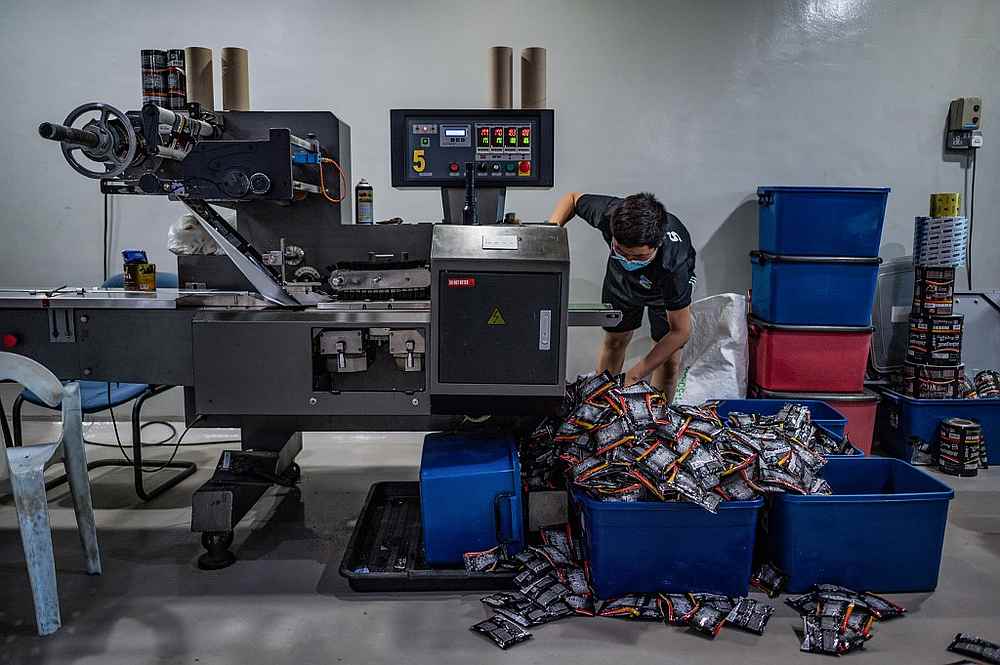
{"x": 176, "y": 82}
{"x": 163, "y": 78}
{"x": 154, "y": 80}
{"x": 961, "y": 449}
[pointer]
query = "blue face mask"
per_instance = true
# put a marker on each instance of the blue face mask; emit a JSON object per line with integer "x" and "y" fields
{"x": 630, "y": 264}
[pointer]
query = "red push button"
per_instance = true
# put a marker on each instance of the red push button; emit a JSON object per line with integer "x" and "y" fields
{"x": 453, "y": 167}
{"x": 524, "y": 168}
{"x": 10, "y": 341}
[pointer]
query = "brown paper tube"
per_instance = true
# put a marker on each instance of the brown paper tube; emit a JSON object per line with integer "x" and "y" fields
{"x": 235, "y": 79}
{"x": 198, "y": 66}
{"x": 533, "y": 78}
{"x": 501, "y": 77}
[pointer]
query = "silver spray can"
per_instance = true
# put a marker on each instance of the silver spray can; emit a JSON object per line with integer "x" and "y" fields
{"x": 364, "y": 203}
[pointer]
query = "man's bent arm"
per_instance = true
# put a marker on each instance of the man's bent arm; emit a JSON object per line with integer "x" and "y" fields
{"x": 680, "y": 330}
{"x": 565, "y": 209}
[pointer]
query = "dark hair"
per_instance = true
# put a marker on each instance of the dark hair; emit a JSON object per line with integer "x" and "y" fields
{"x": 639, "y": 220}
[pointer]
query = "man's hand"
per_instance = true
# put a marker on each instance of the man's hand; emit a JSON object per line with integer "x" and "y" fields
{"x": 680, "y": 330}
{"x": 631, "y": 377}
{"x": 565, "y": 209}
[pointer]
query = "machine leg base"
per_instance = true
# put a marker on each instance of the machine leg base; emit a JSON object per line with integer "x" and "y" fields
{"x": 217, "y": 553}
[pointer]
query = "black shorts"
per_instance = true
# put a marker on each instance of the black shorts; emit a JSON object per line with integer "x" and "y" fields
{"x": 632, "y": 315}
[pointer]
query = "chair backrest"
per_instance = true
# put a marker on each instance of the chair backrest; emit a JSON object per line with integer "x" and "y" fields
{"x": 164, "y": 280}
{"x": 32, "y": 375}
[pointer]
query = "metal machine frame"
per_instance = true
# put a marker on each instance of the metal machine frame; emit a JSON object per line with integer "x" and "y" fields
{"x": 279, "y": 355}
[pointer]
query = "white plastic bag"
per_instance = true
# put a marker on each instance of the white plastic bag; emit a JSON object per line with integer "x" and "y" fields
{"x": 714, "y": 361}
{"x": 186, "y": 237}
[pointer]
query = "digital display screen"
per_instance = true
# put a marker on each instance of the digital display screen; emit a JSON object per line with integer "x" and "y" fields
{"x": 460, "y": 131}
{"x": 498, "y": 137}
{"x": 484, "y": 137}
{"x": 526, "y": 136}
{"x": 512, "y": 137}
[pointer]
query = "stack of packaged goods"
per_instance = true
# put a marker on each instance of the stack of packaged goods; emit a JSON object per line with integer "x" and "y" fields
{"x": 933, "y": 368}
{"x": 814, "y": 280}
{"x": 935, "y": 414}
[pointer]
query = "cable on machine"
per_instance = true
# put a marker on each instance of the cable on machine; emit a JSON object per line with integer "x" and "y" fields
{"x": 177, "y": 445}
{"x": 343, "y": 180}
{"x": 104, "y": 266}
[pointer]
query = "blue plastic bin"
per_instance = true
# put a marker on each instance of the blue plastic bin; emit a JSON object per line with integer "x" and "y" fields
{"x": 821, "y": 412}
{"x": 470, "y": 496}
{"x": 669, "y": 547}
{"x": 821, "y": 221}
{"x": 882, "y": 530}
{"x": 813, "y": 291}
{"x": 901, "y": 419}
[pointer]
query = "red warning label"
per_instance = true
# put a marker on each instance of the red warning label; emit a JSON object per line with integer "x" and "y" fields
{"x": 461, "y": 282}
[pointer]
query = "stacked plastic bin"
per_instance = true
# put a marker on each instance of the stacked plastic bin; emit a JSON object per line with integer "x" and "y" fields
{"x": 813, "y": 281}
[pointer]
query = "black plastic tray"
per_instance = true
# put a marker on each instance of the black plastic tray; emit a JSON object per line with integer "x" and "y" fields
{"x": 385, "y": 552}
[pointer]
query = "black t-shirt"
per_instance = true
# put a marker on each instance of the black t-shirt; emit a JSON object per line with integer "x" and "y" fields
{"x": 669, "y": 278}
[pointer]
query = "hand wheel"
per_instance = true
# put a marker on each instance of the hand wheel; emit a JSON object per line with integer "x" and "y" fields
{"x": 118, "y": 142}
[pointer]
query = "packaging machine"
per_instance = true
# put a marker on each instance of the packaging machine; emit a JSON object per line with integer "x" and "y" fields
{"x": 310, "y": 322}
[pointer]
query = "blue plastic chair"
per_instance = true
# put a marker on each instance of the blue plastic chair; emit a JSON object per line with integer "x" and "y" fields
{"x": 99, "y": 396}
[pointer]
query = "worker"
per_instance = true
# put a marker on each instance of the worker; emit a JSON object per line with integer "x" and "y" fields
{"x": 651, "y": 267}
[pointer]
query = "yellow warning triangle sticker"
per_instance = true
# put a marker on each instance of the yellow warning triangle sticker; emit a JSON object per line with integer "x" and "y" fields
{"x": 496, "y": 318}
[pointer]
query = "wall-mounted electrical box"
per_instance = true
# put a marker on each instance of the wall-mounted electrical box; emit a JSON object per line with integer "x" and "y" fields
{"x": 965, "y": 113}
{"x": 965, "y": 123}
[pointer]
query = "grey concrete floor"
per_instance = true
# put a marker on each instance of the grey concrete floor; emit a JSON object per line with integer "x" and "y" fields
{"x": 284, "y": 601}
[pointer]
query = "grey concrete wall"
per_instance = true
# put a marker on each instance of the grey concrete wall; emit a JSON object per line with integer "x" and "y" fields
{"x": 699, "y": 101}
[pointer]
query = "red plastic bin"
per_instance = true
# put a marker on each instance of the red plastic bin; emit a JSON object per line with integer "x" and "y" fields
{"x": 813, "y": 359}
{"x": 858, "y": 408}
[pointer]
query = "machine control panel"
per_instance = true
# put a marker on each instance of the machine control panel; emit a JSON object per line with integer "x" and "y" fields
{"x": 508, "y": 148}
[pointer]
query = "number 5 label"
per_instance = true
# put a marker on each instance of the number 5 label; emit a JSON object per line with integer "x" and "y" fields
{"x": 419, "y": 163}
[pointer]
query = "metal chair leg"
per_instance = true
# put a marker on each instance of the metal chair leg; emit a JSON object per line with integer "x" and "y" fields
{"x": 27, "y": 478}
{"x": 15, "y": 416}
{"x": 8, "y": 439}
{"x": 75, "y": 461}
{"x": 187, "y": 468}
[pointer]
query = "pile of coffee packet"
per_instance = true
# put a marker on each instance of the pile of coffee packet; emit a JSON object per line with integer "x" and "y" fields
{"x": 836, "y": 620}
{"x": 623, "y": 443}
{"x": 553, "y": 584}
